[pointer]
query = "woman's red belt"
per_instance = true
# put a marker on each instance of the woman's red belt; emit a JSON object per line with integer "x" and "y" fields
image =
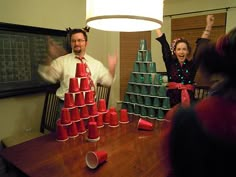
{"x": 185, "y": 98}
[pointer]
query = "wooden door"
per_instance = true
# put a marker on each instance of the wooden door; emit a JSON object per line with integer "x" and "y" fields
{"x": 129, "y": 46}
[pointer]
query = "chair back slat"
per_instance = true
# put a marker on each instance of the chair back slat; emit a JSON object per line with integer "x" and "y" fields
{"x": 200, "y": 92}
{"x": 103, "y": 92}
{"x": 50, "y": 110}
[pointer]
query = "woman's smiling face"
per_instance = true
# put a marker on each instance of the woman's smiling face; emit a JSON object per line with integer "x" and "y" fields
{"x": 181, "y": 51}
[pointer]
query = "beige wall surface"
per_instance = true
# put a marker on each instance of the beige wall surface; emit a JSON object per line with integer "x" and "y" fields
{"x": 23, "y": 112}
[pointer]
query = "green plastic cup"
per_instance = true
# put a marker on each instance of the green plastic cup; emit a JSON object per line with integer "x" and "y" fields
{"x": 143, "y": 67}
{"x": 158, "y": 79}
{"x": 137, "y": 89}
{"x": 162, "y": 91}
{"x": 153, "y": 91}
{"x": 151, "y": 67}
{"x": 143, "y": 45}
{"x": 126, "y": 99}
{"x": 166, "y": 103}
{"x": 151, "y": 112}
{"x": 147, "y": 79}
{"x": 136, "y": 67}
{"x": 160, "y": 114}
{"x": 132, "y": 77}
{"x": 147, "y": 101}
{"x": 143, "y": 111}
{"x": 137, "y": 110}
{"x": 133, "y": 98}
{"x": 148, "y": 56}
{"x": 144, "y": 89}
{"x": 140, "y": 99}
{"x": 130, "y": 88}
{"x": 139, "y": 56}
{"x": 156, "y": 102}
{"x": 130, "y": 108}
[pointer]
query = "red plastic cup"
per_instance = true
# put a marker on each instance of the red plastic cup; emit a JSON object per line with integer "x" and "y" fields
{"x": 100, "y": 121}
{"x": 112, "y": 109}
{"x": 113, "y": 119}
{"x": 69, "y": 100}
{"x": 65, "y": 116}
{"x": 92, "y": 119}
{"x": 84, "y": 112}
{"x": 73, "y": 85}
{"x": 106, "y": 118}
{"x": 102, "y": 105}
{"x": 72, "y": 130}
{"x": 61, "y": 132}
{"x": 74, "y": 115}
{"x": 84, "y": 84}
{"x": 79, "y": 99}
{"x": 81, "y": 127}
{"x": 124, "y": 116}
{"x": 93, "y": 110}
{"x": 144, "y": 125}
{"x": 93, "y": 134}
{"x": 80, "y": 70}
{"x": 94, "y": 159}
{"x": 89, "y": 97}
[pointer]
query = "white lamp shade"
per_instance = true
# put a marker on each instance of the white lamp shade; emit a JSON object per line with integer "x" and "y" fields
{"x": 124, "y": 15}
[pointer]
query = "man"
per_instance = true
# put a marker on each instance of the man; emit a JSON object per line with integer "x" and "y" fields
{"x": 63, "y": 68}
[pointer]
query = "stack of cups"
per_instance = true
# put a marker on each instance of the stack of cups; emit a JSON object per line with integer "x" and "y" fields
{"x": 103, "y": 113}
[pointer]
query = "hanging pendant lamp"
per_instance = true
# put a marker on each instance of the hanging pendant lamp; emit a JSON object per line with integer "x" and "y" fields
{"x": 124, "y": 15}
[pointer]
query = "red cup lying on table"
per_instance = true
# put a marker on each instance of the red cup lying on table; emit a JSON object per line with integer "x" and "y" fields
{"x": 95, "y": 158}
{"x": 144, "y": 125}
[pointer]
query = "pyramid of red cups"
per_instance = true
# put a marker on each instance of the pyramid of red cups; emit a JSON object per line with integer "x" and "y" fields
{"x": 145, "y": 96}
{"x": 81, "y": 114}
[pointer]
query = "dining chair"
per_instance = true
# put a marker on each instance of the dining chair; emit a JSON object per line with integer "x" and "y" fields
{"x": 103, "y": 92}
{"x": 200, "y": 92}
{"x": 48, "y": 120}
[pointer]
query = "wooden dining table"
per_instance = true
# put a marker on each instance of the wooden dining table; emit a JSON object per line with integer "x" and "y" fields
{"x": 131, "y": 153}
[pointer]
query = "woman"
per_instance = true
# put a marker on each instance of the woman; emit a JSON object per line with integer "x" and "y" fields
{"x": 181, "y": 70}
{"x": 201, "y": 141}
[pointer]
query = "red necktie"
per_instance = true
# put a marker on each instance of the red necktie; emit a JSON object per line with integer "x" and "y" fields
{"x": 88, "y": 72}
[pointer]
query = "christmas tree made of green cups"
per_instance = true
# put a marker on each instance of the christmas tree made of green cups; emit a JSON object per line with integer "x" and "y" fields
{"x": 146, "y": 94}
